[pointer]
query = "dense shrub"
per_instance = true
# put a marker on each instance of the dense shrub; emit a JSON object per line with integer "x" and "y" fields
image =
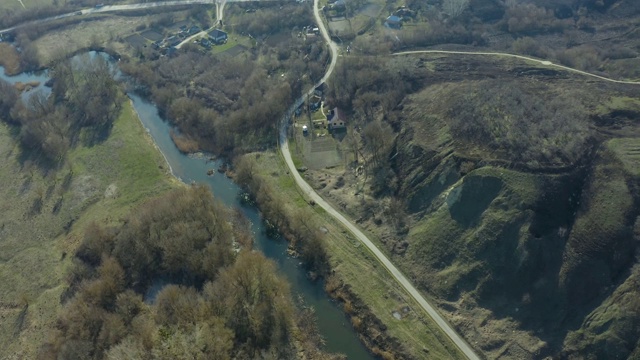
{"x": 85, "y": 101}
{"x": 229, "y": 104}
{"x": 522, "y": 126}
{"x": 221, "y": 305}
{"x": 528, "y": 19}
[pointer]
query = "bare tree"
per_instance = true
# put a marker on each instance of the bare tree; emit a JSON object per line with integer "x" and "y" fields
{"x": 378, "y": 137}
{"x": 454, "y": 7}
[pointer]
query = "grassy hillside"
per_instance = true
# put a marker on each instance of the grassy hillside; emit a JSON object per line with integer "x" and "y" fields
{"x": 506, "y": 191}
{"x": 529, "y": 237}
{"x": 44, "y": 213}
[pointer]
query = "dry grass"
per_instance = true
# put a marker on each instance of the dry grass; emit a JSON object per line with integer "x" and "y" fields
{"x": 185, "y": 143}
{"x": 67, "y": 40}
{"x": 9, "y": 59}
{"x": 15, "y": 5}
{"x": 26, "y": 86}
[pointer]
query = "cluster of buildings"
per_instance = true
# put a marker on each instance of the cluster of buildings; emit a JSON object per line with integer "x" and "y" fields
{"x": 335, "y": 119}
{"x": 215, "y": 37}
{"x": 169, "y": 43}
{"x": 394, "y": 21}
{"x": 335, "y": 8}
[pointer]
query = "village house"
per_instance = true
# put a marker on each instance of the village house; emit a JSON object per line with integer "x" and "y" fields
{"x": 319, "y": 90}
{"x": 393, "y": 22}
{"x": 314, "y": 103}
{"x": 218, "y": 36}
{"x": 194, "y": 30}
{"x": 336, "y": 119}
{"x": 172, "y": 41}
{"x": 205, "y": 43}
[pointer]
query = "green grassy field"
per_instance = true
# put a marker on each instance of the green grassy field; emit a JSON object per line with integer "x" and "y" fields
{"x": 627, "y": 150}
{"x": 351, "y": 260}
{"x": 13, "y": 5}
{"x": 43, "y": 214}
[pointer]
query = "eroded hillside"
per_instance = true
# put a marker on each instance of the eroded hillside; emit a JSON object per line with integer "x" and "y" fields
{"x": 509, "y": 193}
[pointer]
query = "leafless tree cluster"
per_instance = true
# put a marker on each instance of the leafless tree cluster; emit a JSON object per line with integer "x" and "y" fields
{"x": 230, "y": 105}
{"x": 219, "y": 306}
{"x": 454, "y": 8}
{"x": 85, "y": 96}
{"x": 520, "y": 125}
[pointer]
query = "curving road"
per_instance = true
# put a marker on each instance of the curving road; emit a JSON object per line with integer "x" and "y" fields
{"x": 521, "y": 57}
{"x": 464, "y": 347}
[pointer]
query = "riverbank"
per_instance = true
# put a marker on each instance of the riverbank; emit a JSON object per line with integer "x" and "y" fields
{"x": 378, "y": 308}
{"x": 45, "y": 215}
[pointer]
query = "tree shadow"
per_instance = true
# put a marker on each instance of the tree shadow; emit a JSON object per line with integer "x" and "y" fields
{"x": 94, "y": 135}
{"x": 30, "y": 157}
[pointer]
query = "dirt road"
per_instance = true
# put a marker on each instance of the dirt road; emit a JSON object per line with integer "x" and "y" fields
{"x": 521, "y": 57}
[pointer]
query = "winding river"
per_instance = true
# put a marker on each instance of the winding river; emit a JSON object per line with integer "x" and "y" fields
{"x": 333, "y": 325}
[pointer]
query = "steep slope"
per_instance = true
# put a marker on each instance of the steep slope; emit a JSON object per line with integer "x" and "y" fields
{"x": 529, "y": 244}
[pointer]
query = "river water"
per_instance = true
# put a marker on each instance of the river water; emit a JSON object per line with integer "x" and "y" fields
{"x": 333, "y": 325}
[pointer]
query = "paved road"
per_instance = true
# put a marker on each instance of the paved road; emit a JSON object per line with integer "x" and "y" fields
{"x": 521, "y": 57}
{"x": 464, "y": 347}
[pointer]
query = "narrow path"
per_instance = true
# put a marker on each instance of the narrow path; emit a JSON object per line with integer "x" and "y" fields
{"x": 188, "y": 39}
{"x": 521, "y": 57}
{"x": 464, "y": 347}
{"x": 21, "y": 3}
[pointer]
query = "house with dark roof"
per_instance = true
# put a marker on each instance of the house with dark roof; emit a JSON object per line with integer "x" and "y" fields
{"x": 336, "y": 119}
{"x": 314, "y": 103}
{"x": 393, "y": 22}
{"x": 218, "y": 36}
{"x": 205, "y": 43}
{"x": 339, "y": 5}
{"x": 172, "y": 41}
{"x": 172, "y": 51}
{"x": 319, "y": 90}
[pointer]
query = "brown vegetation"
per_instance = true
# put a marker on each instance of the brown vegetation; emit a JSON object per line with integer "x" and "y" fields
{"x": 220, "y": 305}
{"x": 84, "y": 103}
{"x": 296, "y": 228}
{"x": 267, "y": 19}
{"x": 508, "y": 119}
{"x": 9, "y": 59}
{"x": 230, "y": 104}
{"x": 184, "y": 143}
{"x": 26, "y": 86}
